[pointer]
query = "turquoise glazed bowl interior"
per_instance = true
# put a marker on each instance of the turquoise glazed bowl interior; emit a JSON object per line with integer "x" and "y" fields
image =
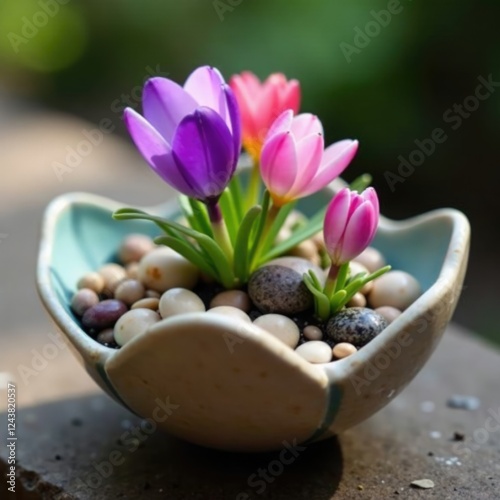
{"x": 233, "y": 386}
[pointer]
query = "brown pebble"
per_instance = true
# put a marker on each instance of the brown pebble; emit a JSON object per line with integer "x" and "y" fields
{"x": 92, "y": 281}
{"x": 152, "y": 294}
{"x": 233, "y": 298}
{"x": 134, "y": 247}
{"x": 106, "y": 337}
{"x": 147, "y": 303}
{"x": 132, "y": 270}
{"x": 307, "y": 250}
{"x": 129, "y": 291}
{"x": 343, "y": 350}
{"x": 389, "y": 313}
{"x": 113, "y": 274}
{"x": 312, "y": 332}
{"x": 82, "y": 300}
{"x": 358, "y": 300}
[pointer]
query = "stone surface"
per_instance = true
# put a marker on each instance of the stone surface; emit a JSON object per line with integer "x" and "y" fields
{"x": 355, "y": 325}
{"x": 64, "y": 442}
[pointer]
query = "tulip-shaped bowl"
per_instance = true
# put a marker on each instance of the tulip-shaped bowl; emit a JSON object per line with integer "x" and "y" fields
{"x": 226, "y": 384}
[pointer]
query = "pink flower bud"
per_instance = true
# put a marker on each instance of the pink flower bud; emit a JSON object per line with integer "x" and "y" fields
{"x": 350, "y": 225}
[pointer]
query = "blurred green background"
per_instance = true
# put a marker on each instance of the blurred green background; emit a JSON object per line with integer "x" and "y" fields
{"x": 387, "y": 82}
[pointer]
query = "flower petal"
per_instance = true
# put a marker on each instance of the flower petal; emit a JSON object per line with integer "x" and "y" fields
{"x": 278, "y": 164}
{"x": 291, "y": 96}
{"x": 165, "y": 103}
{"x": 309, "y": 154}
{"x": 359, "y": 231}
{"x": 335, "y": 222}
{"x": 246, "y": 102}
{"x": 203, "y": 148}
{"x": 370, "y": 195}
{"x": 204, "y": 84}
{"x": 233, "y": 118}
{"x": 335, "y": 159}
{"x": 155, "y": 150}
{"x": 282, "y": 124}
{"x": 306, "y": 124}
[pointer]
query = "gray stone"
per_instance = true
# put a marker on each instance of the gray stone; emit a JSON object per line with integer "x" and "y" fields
{"x": 278, "y": 286}
{"x": 355, "y": 325}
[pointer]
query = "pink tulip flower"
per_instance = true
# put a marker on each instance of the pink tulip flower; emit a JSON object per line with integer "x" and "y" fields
{"x": 261, "y": 103}
{"x": 350, "y": 225}
{"x": 294, "y": 163}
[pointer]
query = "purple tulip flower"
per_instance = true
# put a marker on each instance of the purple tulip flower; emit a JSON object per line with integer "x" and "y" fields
{"x": 191, "y": 135}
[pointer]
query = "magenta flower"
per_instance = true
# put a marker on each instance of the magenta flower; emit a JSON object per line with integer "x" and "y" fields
{"x": 293, "y": 162}
{"x": 191, "y": 135}
{"x": 350, "y": 225}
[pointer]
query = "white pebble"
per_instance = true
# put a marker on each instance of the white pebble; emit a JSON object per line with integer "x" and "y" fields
{"x": 281, "y": 327}
{"x": 134, "y": 247}
{"x": 315, "y": 351}
{"x": 371, "y": 258}
{"x": 82, "y": 300}
{"x": 396, "y": 289}
{"x": 312, "y": 332}
{"x": 134, "y": 323}
{"x": 343, "y": 349}
{"x": 132, "y": 270}
{"x": 180, "y": 301}
{"x": 129, "y": 291}
{"x": 230, "y": 311}
{"x": 389, "y": 313}
{"x": 163, "y": 269}
{"x": 92, "y": 281}
{"x": 357, "y": 268}
{"x": 113, "y": 274}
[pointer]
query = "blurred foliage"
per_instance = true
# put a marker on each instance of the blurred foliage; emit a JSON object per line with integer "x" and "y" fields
{"x": 92, "y": 56}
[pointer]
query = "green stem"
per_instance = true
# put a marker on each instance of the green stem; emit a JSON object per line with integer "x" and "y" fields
{"x": 331, "y": 281}
{"x": 271, "y": 215}
{"x": 219, "y": 228}
{"x": 254, "y": 186}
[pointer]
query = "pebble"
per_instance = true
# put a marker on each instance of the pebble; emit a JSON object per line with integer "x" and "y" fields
{"x": 307, "y": 250}
{"x": 106, "y": 337}
{"x": 233, "y": 298}
{"x": 355, "y": 325}
{"x": 134, "y": 247}
{"x": 343, "y": 350}
{"x": 278, "y": 287}
{"x": 134, "y": 323}
{"x": 129, "y": 291}
{"x": 371, "y": 258}
{"x": 92, "y": 281}
{"x": 315, "y": 351}
{"x": 180, "y": 301}
{"x": 84, "y": 299}
{"x": 358, "y": 300}
{"x": 319, "y": 240}
{"x": 148, "y": 303}
{"x": 103, "y": 315}
{"x": 230, "y": 311}
{"x": 389, "y": 313}
{"x": 463, "y": 402}
{"x": 357, "y": 268}
{"x": 132, "y": 270}
{"x": 113, "y": 274}
{"x": 395, "y": 288}
{"x": 281, "y": 327}
{"x": 163, "y": 269}
{"x": 423, "y": 484}
{"x": 152, "y": 294}
{"x": 312, "y": 332}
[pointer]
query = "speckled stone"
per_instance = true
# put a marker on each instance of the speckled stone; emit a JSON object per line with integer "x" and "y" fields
{"x": 278, "y": 287}
{"x": 355, "y": 325}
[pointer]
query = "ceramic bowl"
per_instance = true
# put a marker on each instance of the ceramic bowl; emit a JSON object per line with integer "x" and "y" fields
{"x": 227, "y": 384}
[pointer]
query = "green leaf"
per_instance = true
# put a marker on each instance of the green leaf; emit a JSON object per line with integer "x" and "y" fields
{"x": 229, "y": 215}
{"x": 337, "y": 301}
{"x": 200, "y": 213}
{"x": 312, "y": 227}
{"x": 361, "y": 183}
{"x": 237, "y": 194}
{"x": 321, "y": 303}
{"x": 277, "y": 225}
{"x": 257, "y": 234}
{"x": 241, "y": 262}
